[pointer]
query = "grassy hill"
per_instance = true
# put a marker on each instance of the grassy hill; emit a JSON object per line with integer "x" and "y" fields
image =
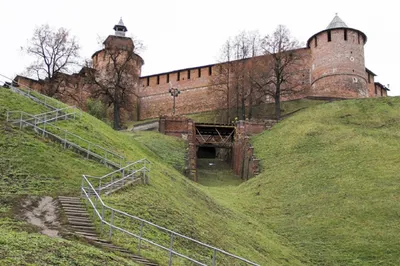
{"x": 34, "y": 166}
{"x": 330, "y": 182}
{"x": 327, "y": 194}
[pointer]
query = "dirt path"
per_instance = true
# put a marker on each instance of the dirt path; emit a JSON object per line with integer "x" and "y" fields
{"x": 43, "y": 216}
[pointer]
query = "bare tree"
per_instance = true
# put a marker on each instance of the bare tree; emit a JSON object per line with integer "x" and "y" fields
{"x": 278, "y": 70}
{"x": 234, "y": 71}
{"x": 55, "y": 52}
{"x": 116, "y": 81}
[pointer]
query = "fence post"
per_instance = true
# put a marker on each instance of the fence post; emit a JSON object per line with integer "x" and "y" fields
{"x": 213, "y": 258}
{"x": 140, "y": 237}
{"x": 44, "y": 124}
{"x": 102, "y": 219}
{"x": 88, "y": 150}
{"x": 170, "y": 249}
{"x": 20, "y": 122}
{"x": 65, "y": 139}
{"x": 111, "y": 223}
{"x": 99, "y": 186}
{"x": 82, "y": 186}
{"x": 56, "y": 115}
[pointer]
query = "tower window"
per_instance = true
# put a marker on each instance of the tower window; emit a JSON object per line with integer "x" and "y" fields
{"x": 345, "y": 35}
{"x": 199, "y": 74}
{"x": 178, "y": 77}
{"x": 148, "y": 81}
{"x": 369, "y": 78}
{"x": 209, "y": 70}
{"x": 168, "y": 78}
{"x": 358, "y": 36}
{"x": 188, "y": 76}
{"x": 315, "y": 41}
{"x": 158, "y": 80}
{"x": 329, "y": 36}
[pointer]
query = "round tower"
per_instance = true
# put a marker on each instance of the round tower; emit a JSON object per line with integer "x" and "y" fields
{"x": 119, "y": 67}
{"x": 118, "y": 45}
{"x": 338, "y": 65}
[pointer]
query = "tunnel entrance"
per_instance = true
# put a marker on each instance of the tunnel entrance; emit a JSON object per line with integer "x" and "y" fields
{"x": 206, "y": 152}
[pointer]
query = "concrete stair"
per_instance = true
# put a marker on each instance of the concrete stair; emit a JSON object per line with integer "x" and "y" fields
{"x": 81, "y": 225}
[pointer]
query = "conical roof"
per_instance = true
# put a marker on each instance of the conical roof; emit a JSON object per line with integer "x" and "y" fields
{"x": 120, "y": 23}
{"x": 336, "y": 23}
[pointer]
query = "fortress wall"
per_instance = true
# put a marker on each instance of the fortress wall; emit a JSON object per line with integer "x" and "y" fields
{"x": 189, "y": 101}
{"x": 371, "y": 85}
{"x": 197, "y": 92}
{"x": 181, "y": 79}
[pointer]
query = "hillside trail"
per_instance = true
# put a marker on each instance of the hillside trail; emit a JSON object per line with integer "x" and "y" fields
{"x": 42, "y": 213}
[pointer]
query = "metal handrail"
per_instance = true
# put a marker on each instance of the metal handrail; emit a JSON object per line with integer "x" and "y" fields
{"x": 122, "y": 158}
{"x": 56, "y": 110}
{"x": 127, "y": 172}
{"x": 29, "y": 94}
{"x": 37, "y": 119}
{"x": 141, "y": 238}
{"x": 65, "y": 141}
{"x": 89, "y": 142}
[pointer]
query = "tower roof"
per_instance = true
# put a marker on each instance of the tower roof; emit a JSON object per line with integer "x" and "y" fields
{"x": 121, "y": 23}
{"x": 120, "y": 27}
{"x": 336, "y": 23}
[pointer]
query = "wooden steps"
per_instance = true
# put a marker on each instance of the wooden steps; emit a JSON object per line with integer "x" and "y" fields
{"x": 81, "y": 225}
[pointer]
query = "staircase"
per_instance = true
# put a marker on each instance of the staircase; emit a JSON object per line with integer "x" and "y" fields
{"x": 80, "y": 224}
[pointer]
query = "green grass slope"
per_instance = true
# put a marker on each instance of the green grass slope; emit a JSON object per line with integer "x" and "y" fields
{"x": 32, "y": 165}
{"x": 22, "y": 248}
{"x": 330, "y": 182}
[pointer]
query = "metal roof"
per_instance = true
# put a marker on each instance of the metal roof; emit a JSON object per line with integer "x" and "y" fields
{"x": 120, "y": 23}
{"x": 336, "y": 23}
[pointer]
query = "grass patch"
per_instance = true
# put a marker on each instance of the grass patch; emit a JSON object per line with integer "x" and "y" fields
{"x": 22, "y": 248}
{"x": 330, "y": 182}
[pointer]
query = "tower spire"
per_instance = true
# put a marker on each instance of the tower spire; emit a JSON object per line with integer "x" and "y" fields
{"x": 120, "y": 28}
{"x": 336, "y": 23}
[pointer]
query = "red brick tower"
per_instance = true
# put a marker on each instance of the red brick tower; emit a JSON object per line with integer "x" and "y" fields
{"x": 338, "y": 66}
{"x": 117, "y": 61}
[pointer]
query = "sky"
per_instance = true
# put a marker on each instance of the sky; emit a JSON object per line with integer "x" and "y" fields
{"x": 183, "y": 33}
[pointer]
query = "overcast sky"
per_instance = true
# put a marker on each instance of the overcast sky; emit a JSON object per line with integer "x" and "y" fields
{"x": 180, "y": 34}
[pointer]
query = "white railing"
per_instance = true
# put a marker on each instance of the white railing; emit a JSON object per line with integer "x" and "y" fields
{"x": 130, "y": 174}
{"x": 69, "y": 140}
{"x": 119, "y": 222}
{"x": 33, "y": 95}
{"x": 43, "y": 118}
